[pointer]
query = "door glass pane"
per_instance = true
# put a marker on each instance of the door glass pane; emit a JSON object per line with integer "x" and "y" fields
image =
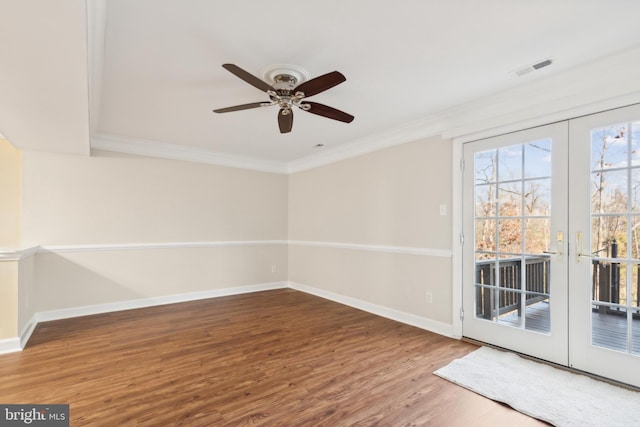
{"x": 537, "y": 197}
{"x": 510, "y": 235}
{"x": 486, "y": 164}
{"x": 537, "y": 235}
{"x": 512, "y": 229}
{"x": 609, "y": 331}
{"x": 485, "y": 303}
{"x": 510, "y": 308}
{"x": 609, "y": 192}
{"x": 486, "y": 235}
{"x": 537, "y": 310}
{"x": 537, "y": 159}
{"x": 609, "y": 147}
{"x": 510, "y": 199}
{"x": 615, "y": 238}
{"x": 510, "y": 163}
{"x": 635, "y": 190}
{"x": 485, "y": 200}
{"x": 608, "y": 238}
{"x": 538, "y": 316}
{"x": 635, "y": 143}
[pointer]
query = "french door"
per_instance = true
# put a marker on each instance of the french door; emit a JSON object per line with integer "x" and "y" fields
{"x": 515, "y": 225}
{"x": 552, "y": 243}
{"x": 605, "y": 222}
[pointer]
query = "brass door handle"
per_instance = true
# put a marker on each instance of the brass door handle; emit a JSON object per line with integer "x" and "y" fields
{"x": 579, "y": 252}
{"x": 559, "y": 246}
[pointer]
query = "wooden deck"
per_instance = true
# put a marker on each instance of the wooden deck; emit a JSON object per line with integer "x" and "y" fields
{"x": 609, "y": 330}
{"x": 537, "y": 318}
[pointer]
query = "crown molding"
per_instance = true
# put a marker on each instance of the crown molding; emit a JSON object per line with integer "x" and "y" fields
{"x": 596, "y": 86}
{"x": 607, "y": 83}
{"x": 142, "y": 147}
{"x": 398, "y": 135}
{"x": 471, "y": 134}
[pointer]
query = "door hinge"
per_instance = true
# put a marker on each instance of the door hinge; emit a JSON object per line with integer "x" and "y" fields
{"x": 461, "y": 314}
{"x": 462, "y": 165}
{"x": 461, "y": 239}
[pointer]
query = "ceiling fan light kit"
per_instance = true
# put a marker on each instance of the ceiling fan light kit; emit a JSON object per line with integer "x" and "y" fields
{"x": 289, "y": 88}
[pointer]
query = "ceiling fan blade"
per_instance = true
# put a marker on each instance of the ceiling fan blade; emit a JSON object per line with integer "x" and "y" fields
{"x": 248, "y": 77}
{"x": 285, "y": 120}
{"x": 241, "y": 107}
{"x": 329, "y": 112}
{"x": 320, "y": 84}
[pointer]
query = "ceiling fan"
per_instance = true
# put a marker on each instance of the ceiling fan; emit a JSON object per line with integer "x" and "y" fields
{"x": 285, "y": 94}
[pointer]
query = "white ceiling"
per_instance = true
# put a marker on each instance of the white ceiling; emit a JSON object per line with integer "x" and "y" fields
{"x": 155, "y": 75}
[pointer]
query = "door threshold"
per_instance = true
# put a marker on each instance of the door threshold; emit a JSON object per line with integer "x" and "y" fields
{"x": 555, "y": 365}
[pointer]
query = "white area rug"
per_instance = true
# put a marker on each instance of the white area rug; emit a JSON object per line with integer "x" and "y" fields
{"x": 542, "y": 391}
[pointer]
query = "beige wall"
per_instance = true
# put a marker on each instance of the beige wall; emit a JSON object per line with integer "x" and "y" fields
{"x": 26, "y": 292}
{"x": 10, "y": 171}
{"x": 123, "y": 200}
{"x": 388, "y": 198}
{"x": 10, "y": 187}
{"x": 79, "y": 279}
{"x": 8, "y": 299}
{"x": 107, "y": 199}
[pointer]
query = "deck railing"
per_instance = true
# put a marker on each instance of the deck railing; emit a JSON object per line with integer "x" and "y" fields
{"x": 606, "y": 280}
{"x": 506, "y": 276}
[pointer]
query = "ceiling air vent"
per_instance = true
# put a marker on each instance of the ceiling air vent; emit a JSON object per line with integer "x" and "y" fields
{"x": 533, "y": 67}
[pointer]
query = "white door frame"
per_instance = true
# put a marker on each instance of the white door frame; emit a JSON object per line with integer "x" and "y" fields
{"x": 583, "y": 355}
{"x": 552, "y": 346}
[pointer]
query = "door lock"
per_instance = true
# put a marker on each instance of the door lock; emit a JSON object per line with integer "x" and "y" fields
{"x": 579, "y": 252}
{"x": 559, "y": 246}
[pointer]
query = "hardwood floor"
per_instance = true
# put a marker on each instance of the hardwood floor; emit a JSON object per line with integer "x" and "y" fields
{"x": 269, "y": 358}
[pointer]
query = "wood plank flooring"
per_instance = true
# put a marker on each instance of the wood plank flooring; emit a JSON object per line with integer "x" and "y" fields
{"x": 270, "y": 358}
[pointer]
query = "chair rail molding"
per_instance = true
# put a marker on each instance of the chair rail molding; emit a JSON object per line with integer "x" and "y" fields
{"x": 166, "y": 245}
{"x": 405, "y": 250}
{"x": 15, "y": 254}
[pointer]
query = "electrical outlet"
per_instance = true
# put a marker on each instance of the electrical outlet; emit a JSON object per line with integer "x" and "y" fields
{"x": 443, "y": 210}
{"x": 274, "y": 269}
{"x": 428, "y": 297}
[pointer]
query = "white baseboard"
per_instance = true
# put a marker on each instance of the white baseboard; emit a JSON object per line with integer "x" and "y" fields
{"x": 17, "y": 344}
{"x": 88, "y": 310}
{"x": 10, "y": 345}
{"x": 399, "y": 316}
{"x": 28, "y": 330}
